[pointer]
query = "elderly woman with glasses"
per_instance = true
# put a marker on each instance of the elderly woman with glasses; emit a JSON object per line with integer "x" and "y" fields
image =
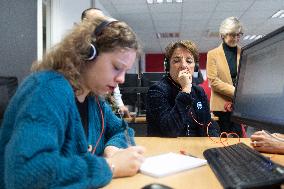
{"x": 222, "y": 69}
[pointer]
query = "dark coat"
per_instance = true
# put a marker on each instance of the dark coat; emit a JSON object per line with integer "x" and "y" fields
{"x": 171, "y": 113}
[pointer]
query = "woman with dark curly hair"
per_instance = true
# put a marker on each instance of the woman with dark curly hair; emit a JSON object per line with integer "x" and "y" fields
{"x": 175, "y": 105}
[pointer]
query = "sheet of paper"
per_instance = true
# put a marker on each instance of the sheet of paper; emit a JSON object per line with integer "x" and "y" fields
{"x": 170, "y": 163}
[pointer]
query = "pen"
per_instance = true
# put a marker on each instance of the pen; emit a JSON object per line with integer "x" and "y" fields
{"x": 126, "y": 133}
{"x": 125, "y": 127}
{"x": 183, "y": 152}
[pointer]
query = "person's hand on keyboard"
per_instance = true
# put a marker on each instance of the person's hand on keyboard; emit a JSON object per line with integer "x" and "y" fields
{"x": 265, "y": 142}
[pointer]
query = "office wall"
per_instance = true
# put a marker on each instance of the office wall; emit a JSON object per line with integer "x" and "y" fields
{"x": 98, "y": 5}
{"x": 135, "y": 67}
{"x": 18, "y": 37}
{"x": 18, "y": 31}
{"x": 65, "y": 13}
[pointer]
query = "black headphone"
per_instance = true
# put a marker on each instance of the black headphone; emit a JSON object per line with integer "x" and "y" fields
{"x": 93, "y": 53}
{"x": 167, "y": 65}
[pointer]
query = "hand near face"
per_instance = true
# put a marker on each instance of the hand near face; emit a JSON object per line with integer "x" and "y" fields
{"x": 182, "y": 67}
{"x": 185, "y": 80}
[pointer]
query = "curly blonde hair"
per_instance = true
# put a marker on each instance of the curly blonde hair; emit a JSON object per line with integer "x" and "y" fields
{"x": 188, "y": 45}
{"x": 70, "y": 56}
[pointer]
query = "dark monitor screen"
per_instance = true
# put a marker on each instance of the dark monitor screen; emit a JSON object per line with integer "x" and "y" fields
{"x": 131, "y": 80}
{"x": 150, "y": 78}
{"x": 147, "y": 80}
{"x": 259, "y": 95}
{"x": 127, "y": 89}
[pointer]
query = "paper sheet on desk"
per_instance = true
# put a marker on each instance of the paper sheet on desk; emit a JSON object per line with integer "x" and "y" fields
{"x": 170, "y": 163}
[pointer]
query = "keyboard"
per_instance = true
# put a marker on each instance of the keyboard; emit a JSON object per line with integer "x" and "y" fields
{"x": 239, "y": 166}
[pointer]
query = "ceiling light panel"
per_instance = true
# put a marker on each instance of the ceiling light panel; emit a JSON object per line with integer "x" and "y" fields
{"x": 163, "y": 1}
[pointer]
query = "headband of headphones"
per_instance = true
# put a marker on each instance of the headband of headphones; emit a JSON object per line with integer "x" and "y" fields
{"x": 98, "y": 31}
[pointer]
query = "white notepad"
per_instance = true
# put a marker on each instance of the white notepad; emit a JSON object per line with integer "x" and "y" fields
{"x": 170, "y": 163}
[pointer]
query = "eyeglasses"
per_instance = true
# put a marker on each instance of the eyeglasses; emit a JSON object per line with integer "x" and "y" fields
{"x": 235, "y": 34}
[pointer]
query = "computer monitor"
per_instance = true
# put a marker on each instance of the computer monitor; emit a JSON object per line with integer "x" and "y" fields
{"x": 131, "y": 80}
{"x": 147, "y": 80}
{"x": 127, "y": 89}
{"x": 259, "y": 94}
{"x": 150, "y": 78}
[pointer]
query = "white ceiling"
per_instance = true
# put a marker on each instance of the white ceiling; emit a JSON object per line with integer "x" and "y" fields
{"x": 197, "y": 20}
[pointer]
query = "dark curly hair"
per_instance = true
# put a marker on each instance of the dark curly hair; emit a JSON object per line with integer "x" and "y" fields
{"x": 190, "y": 46}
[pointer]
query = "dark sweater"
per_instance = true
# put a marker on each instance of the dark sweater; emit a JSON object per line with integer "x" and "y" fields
{"x": 231, "y": 57}
{"x": 170, "y": 112}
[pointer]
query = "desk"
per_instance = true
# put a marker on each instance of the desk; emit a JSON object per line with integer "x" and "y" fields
{"x": 139, "y": 124}
{"x": 136, "y": 119}
{"x": 143, "y": 119}
{"x": 201, "y": 177}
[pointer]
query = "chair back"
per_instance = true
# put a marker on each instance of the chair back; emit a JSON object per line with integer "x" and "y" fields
{"x": 8, "y": 87}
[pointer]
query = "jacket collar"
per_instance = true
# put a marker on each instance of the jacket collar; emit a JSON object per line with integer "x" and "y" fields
{"x": 172, "y": 82}
{"x": 222, "y": 54}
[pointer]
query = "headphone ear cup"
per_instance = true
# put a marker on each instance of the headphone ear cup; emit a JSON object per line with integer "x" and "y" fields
{"x": 93, "y": 52}
{"x": 166, "y": 65}
{"x": 196, "y": 67}
{"x": 196, "y": 70}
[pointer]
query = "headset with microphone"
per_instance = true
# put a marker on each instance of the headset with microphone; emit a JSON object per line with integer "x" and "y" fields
{"x": 93, "y": 53}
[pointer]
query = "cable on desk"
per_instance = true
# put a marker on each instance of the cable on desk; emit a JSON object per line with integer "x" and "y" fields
{"x": 220, "y": 137}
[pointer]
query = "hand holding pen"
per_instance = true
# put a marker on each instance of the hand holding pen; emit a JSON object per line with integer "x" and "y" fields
{"x": 133, "y": 155}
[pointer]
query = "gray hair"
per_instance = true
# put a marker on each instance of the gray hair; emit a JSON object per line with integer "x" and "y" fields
{"x": 230, "y": 25}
